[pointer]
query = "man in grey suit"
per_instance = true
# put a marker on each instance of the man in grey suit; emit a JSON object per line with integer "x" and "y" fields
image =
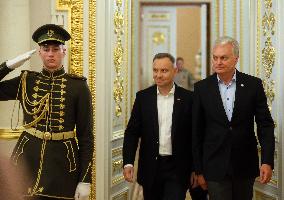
{"x": 226, "y": 104}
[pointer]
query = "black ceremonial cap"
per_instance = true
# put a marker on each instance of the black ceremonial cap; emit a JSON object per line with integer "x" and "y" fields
{"x": 50, "y": 32}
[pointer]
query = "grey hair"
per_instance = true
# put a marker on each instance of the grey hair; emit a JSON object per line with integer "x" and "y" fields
{"x": 228, "y": 40}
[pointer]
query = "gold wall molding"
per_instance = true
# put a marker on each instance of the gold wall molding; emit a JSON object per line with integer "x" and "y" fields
{"x": 118, "y": 135}
{"x": 268, "y": 52}
{"x": 75, "y": 11}
{"x": 92, "y": 83}
{"x": 117, "y": 152}
{"x": 118, "y": 180}
{"x": 158, "y": 38}
{"x": 117, "y": 166}
{"x": 75, "y": 26}
{"x": 118, "y": 60}
{"x": 126, "y": 61}
{"x": 133, "y": 47}
{"x": 121, "y": 196}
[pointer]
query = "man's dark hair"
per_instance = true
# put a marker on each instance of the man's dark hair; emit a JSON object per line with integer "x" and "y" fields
{"x": 164, "y": 55}
{"x": 179, "y": 58}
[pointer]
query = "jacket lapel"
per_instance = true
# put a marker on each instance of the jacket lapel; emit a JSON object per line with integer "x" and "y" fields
{"x": 154, "y": 108}
{"x": 176, "y": 109}
{"x": 240, "y": 89}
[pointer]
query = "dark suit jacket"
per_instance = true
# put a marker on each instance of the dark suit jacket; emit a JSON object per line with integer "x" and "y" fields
{"x": 221, "y": 146}
{"x": 143, "y": 124}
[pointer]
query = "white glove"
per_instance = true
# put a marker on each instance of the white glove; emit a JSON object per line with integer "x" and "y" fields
{"x": 19, "y": 60}
{"x": 83, "y": 191}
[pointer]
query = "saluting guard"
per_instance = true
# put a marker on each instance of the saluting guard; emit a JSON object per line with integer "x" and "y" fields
{"x": 58, "y": 159}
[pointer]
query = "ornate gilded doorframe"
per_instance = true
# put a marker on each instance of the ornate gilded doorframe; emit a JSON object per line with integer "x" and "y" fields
{"x": 75, "y": 25}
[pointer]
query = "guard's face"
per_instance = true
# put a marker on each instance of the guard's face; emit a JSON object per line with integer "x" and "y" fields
{"x": 224, "y": 61}
{"x": 163, "y": 72}
{"x": 52, "y": 56}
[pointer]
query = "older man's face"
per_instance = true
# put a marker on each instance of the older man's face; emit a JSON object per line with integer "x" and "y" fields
{"x": 224, "y": 61}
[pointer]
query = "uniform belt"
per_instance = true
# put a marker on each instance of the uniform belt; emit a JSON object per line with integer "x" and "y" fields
{"x": 50, "y": 136}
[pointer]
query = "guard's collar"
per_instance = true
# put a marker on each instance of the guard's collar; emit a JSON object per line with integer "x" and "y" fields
{"x": 55, "y": 73}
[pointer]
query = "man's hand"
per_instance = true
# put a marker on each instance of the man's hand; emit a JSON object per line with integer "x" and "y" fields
{"x": 128, "y": 173}
{"x": 193, "y": 180}
{"x": 202, "y": 182}
{"x": 265, "y": 173}
{"x": 83, "y": 191}
{"x": 19, "y": 60}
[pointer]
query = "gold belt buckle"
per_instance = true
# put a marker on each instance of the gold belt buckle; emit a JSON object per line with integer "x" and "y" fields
{"x": 47, "y": 136}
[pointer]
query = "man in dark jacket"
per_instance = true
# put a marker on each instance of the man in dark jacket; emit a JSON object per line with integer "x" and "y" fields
{"x": 161, "y": 119}
{"x": 224, "y": 143}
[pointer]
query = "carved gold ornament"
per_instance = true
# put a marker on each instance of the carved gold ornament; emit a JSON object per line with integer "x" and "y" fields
{"x": 268, "y": 57}
{"x": 118, "y": 95}
{"x": 269, "y": 91}
{"x": 118, "y": 3}
{"x": 118, "y": 21}
{"x": 118, "y": 59}
{"x": 75, "y": 24}
{"x": 268, "y": 53}
{"x": 268, "y": 23}
{"x": 268, "y": 4}
{"x": 158, "y": 38}
{"x": 92, "y": 84}
{"x": 75, "y": 12}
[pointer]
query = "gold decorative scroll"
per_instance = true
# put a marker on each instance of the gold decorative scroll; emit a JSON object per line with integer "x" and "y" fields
{"x": 157, "y": 16}
{"x": 92, "y": 83}
{"x": 75, "y": 26}
{"x": 268, "y": 52}
{"x": 117, "y": 152}
{"x": 158, "y": 38}
{"x": 118, "y": 61}
{"x": 126, "y": 61}
{"x": 117, "y": 180}
{"x": 117, "y": 166}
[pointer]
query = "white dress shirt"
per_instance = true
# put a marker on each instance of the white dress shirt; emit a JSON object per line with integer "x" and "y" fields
{"x": 165, "y": 110}
{"x": 165, "y": 106}
{"x": 227, "y": 93}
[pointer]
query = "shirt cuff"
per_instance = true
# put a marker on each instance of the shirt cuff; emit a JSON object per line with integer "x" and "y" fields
{"x": 127, "y": 165}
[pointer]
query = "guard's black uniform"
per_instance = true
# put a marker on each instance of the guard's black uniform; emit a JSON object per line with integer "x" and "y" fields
{"x": 53, "y": 104}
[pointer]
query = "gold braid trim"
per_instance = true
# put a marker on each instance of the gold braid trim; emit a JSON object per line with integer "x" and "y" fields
{"x": 86, "y": 171}
{"x": 42, "y": 105}
{"x": 36, "y": 189}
